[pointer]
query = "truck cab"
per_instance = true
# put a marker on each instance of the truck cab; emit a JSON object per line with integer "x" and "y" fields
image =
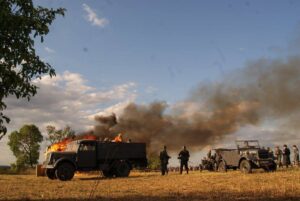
{"x": 113, "y": 159}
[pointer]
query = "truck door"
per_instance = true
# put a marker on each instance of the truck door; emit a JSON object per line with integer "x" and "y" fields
{"x": 87, "y": 155}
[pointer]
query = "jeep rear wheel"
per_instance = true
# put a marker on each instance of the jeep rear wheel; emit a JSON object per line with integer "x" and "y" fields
{"x": 122, "y": 169}
{"x": 222, "y": 166}
{"x": 245, "y": 166}
{"x": 51, "y": 174}
{"x": 65, "y": 171}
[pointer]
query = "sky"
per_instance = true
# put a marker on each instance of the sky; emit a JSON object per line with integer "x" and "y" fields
{"x": 108, "y": 53}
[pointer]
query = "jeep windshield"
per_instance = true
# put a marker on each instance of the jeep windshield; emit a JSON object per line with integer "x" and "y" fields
{"x": 247, "y": 144}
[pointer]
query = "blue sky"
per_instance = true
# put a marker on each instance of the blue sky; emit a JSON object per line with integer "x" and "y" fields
{"x": 108, "y": 53}
{"x": 169, "y": 46}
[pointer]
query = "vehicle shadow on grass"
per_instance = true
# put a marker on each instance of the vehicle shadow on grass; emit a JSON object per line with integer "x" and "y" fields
{"x": 176, "y": 197}
{"x": 107, "y": 178}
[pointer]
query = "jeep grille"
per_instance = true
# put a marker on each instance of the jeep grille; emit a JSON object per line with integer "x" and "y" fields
{"x": 263, "y": 154}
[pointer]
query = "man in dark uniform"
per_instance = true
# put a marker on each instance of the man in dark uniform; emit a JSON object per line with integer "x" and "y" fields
{"x": 164, "y": 160}
{"x": 184, "y": 156}
{"x": 286, "y": 160}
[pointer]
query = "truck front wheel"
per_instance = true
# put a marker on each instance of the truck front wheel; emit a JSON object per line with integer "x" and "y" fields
{"x": 65, "y": 171}
{"x": 245, "y": 166}
{"x": 122, "y": 169}
{"x": 51, "y": 174}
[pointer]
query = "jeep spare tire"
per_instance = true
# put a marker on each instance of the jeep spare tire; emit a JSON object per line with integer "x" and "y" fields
{"x": 222, "y": 166}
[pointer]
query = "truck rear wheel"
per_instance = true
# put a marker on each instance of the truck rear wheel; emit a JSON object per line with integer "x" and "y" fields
{"x": 122, "y": 169}
{"x": 108, "y": 173}
{"x": 245, "y": 166}
{"x": 65, "y": 171}
{"x": 51, "y": 174}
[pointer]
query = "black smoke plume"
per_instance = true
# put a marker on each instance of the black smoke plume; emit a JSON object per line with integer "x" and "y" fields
{"x": 266, "y": 90}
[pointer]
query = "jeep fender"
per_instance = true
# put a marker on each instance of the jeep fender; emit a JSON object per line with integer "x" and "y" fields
{"x": 64, "y": 160}
{"x": 241, "y": 159}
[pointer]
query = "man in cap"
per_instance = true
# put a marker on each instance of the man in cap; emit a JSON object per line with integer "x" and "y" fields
{"x": 184, "y": 156}
{"x": 296, "y": 155}
{"x": 164, "y": 161}
{"x": 278, "y": 156}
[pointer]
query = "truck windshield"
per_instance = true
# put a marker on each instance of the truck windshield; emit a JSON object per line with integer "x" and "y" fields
{"x": 252, "y": 144}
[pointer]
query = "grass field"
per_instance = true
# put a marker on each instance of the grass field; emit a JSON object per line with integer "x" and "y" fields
{"x": 280, "y": 186}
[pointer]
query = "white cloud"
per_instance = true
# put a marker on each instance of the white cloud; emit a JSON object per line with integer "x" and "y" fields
{"x": 151, "y": 90}
{"x": 93, "y": 18}
{"x": 66, "y": 99}
{"x": 49, "y": 50}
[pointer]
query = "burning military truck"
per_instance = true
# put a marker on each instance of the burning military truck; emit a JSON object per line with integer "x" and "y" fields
{"x": 113, "y": 159}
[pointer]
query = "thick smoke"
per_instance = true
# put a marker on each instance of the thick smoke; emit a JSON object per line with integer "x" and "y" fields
{"x": 263, "y": 91}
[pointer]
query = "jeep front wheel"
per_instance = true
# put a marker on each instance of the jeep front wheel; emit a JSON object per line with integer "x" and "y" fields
{"x": 50, "y": 174}
{"x": 271, "y": 168}
{"x": 245, "y": 166}
{"x": 65, "y": 171}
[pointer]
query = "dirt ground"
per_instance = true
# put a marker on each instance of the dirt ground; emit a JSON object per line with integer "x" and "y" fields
{"x": 280, "y": 186}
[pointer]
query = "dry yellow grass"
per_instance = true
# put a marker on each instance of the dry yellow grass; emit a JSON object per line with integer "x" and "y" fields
{"x": 279, "y": 186}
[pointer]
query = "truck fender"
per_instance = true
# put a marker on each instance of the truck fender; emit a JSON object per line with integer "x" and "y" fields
{"x": 61, "y": 160}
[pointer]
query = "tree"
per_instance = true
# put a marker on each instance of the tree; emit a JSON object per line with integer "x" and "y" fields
{"x": 55, "y": 135}
{"x": 153, "y": 162}
{"x": 25, "y": 145}
{"x": 21, "y": 22}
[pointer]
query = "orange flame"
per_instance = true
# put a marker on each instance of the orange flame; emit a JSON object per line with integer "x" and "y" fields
{"x": 59, "y": 146}
{"x": 62, "y": 145}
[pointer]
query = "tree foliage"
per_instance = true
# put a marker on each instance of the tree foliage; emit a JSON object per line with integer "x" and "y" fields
{"x": 25, "y": 145}
{"x": 55, "y": 135}
{"x": 153, "y": 162}
{"x": 21, "y": 22}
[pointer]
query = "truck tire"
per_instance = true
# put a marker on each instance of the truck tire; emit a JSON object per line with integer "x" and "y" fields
{"x": 245, "y": 166}
{"x": 108, "y": 173}
{"x": 50, "y": 174}
{"x": 65, "y": 171}
{"x": 122, "y": 169}
{"x": 222, "y": 166}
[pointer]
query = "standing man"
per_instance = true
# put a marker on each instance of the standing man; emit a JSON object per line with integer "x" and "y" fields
{"x": 286, "y": 160}
{"x": 164, "y": 161}
{"x": 278, "y": 156}
{"x": 271, "y": 153}
{"x": 296, "y": 155}
{"x": 184, "y": 156}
